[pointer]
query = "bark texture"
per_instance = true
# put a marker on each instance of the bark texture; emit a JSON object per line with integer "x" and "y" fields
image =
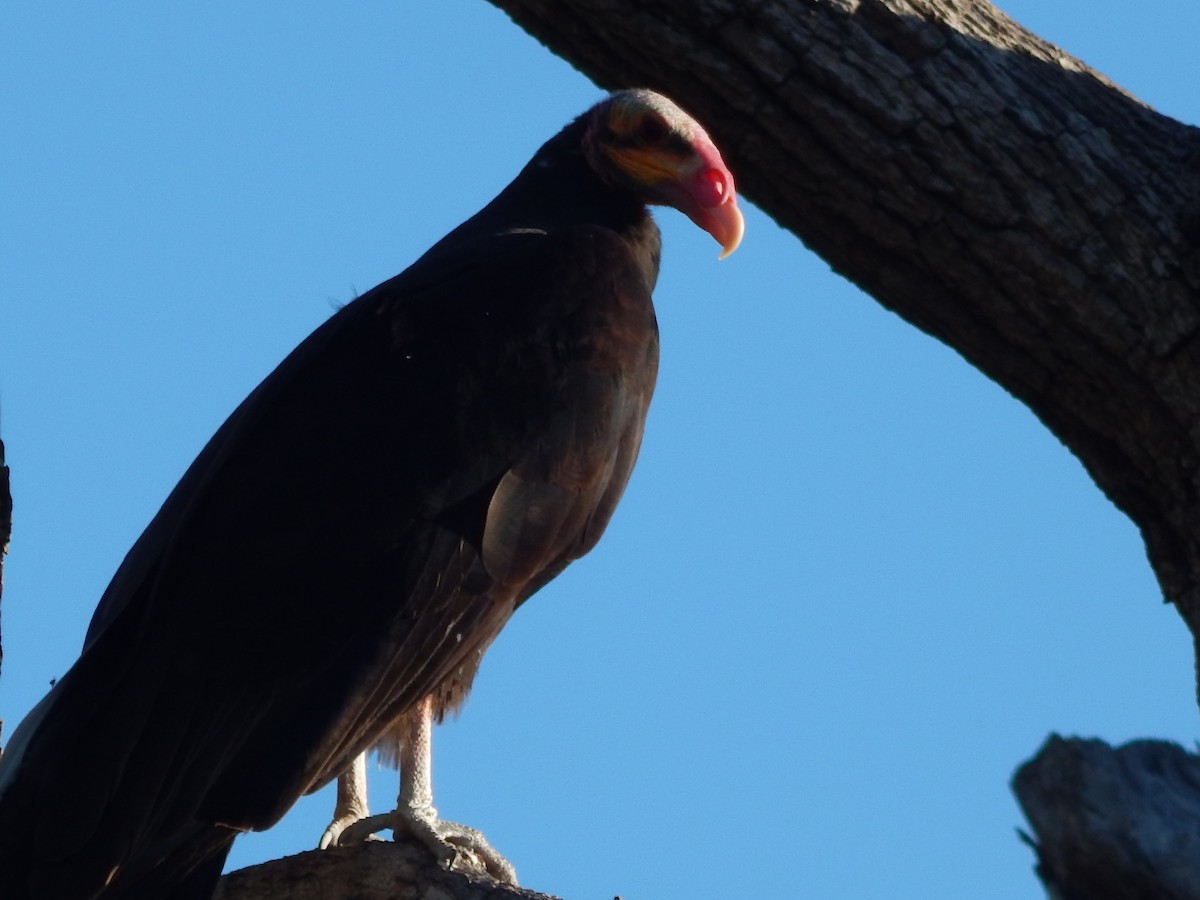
{"x": 1114, "y": 824}
{"x": 993, "y": 191}
{"x": 988, "y": 187}
{"x": 5, "y": 535}
{"x": 374, "y": 870}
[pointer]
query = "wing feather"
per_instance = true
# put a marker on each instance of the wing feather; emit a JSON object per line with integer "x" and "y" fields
{"x": 353, "y": 537}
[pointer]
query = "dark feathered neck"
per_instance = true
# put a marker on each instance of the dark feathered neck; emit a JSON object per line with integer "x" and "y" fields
{"x": 559, "y": 189}
{"x": 561, "y": 185}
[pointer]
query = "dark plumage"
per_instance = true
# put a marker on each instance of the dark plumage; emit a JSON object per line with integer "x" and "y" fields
{"x": 360, "y": 529}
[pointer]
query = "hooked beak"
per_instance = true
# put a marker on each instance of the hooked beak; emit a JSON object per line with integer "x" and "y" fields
{"x": 704, "y": 193}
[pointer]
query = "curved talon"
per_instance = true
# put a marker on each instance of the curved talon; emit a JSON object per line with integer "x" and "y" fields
{"x": 351, "y": 808}
{"x": 473, "y": 841}
{"x": 364, "y": 829}
{"x": 450, "y": 842}
{"x": 332, "y": 836}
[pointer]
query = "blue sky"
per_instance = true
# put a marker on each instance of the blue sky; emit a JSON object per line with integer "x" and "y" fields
{"x": 852, "y": 585}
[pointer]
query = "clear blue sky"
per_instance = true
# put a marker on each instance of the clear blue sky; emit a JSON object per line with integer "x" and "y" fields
{"x": 852, "y": 585}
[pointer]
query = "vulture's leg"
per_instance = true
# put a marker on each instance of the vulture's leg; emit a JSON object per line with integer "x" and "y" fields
{"x": 415, "y": 813}
{"x": 351, "y": 804}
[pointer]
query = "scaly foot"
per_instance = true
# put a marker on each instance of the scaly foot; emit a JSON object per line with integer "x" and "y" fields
{"x": 450, "y": 842}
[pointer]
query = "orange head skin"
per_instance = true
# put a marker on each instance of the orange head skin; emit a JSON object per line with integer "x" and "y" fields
{"x": 643, "y": 141}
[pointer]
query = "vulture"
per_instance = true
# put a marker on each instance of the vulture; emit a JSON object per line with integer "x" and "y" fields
{"x": 333, "y": 565}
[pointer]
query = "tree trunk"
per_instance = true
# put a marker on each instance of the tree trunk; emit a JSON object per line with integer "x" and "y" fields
{"x": 986, "y": 186}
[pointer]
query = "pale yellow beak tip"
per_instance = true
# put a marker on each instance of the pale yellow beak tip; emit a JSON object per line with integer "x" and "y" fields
{"x": 734, "y": 228}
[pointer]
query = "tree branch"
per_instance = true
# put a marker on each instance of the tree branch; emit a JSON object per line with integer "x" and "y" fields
{"x": 1114, "y": 824}
{"x": 5, "y": 535}
{"x": 980, "y": 182}
{"x": 373, "y": 870}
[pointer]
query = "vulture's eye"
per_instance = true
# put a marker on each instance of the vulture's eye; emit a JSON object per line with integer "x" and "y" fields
{"x": 651, "y": 130}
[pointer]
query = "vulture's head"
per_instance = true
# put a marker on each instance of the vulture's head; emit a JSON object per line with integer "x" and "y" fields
{"x": 641, "y": 141}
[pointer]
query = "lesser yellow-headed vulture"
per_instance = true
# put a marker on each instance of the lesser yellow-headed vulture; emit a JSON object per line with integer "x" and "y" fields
{"x": 337, "y": 559}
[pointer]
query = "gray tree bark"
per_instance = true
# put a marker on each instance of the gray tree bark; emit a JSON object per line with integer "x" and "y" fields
{"x": 6, "y": 507}
{"x": 374, "y": 870}
{"x": 988, "y": 187}
{"x": 1114, "y": 824}
{"x": 999, "y": 195}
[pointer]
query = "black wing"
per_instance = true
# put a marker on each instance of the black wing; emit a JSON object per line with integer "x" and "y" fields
{"x": 364, "y": 521}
